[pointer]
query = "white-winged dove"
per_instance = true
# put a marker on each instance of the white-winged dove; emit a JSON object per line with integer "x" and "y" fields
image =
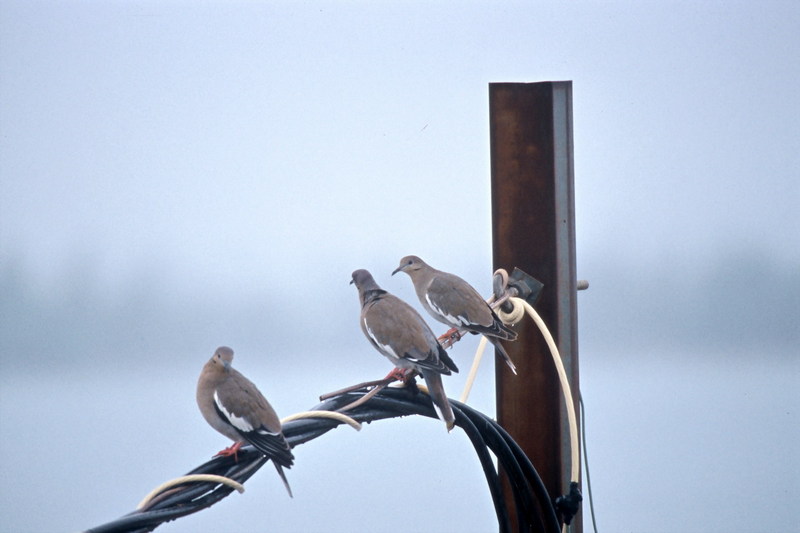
{"x": 233, "y": 405}
{"x": 397, "y": 331}
{"x": 452, "y": 301}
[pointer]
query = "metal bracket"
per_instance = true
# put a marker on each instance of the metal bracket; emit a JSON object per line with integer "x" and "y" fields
{"x": 519, "y": 285}
{"x": 528, "y": 288}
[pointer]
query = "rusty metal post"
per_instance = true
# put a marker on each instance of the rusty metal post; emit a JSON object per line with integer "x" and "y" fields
{"x": 533, "y": 228}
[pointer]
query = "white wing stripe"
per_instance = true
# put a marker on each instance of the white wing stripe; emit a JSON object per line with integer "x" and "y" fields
{"x": 236, "y": 421}
{"x": 454, "y": 320}
{"x": 385, "y": 348}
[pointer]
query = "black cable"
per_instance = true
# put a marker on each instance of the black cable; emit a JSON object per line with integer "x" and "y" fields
{"x": 399, "y": 400}
{"x": 492, "y": 478}
{"x": 550, "y": 518}
{"x": 527, "y": 513}
{"x": 499, "y": 442}
{"x": 534, "y": 510}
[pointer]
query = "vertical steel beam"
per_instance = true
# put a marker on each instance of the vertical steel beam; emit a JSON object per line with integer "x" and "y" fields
{"x": 533, "y": 228}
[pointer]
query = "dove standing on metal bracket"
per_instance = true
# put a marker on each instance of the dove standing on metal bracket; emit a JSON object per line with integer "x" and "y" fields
{"x": 397, "y": 331}
{"x": 452, "y": 301}
{"x": 235, "y": 407}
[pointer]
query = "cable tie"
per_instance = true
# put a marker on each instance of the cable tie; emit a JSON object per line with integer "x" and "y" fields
{"x": 516, "y": 314}
{"x": 324, "y": 414}
{"x": 195, "y": 478}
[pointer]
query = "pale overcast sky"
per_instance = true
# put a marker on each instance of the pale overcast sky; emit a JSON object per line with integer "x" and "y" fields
{"x": 179, "y": 175}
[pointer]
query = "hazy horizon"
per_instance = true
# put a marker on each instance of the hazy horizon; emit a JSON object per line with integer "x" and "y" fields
{"x": 175, "y": 176}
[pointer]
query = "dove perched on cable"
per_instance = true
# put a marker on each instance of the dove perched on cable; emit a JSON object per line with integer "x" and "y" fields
{"x": 398, "y": 332}
{"x": 452, "y": 301}
{"x": 233, "y": 405}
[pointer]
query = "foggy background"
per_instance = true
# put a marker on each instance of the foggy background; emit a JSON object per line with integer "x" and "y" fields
{"x": 179, "y": 175}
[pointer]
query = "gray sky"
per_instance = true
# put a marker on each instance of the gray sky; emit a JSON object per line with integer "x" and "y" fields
{"x": 179, "y": 175}
{"x": 249, "y": 151}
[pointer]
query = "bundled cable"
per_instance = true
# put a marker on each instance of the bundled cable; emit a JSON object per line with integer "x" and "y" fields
{"x": 533, "y": 509}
